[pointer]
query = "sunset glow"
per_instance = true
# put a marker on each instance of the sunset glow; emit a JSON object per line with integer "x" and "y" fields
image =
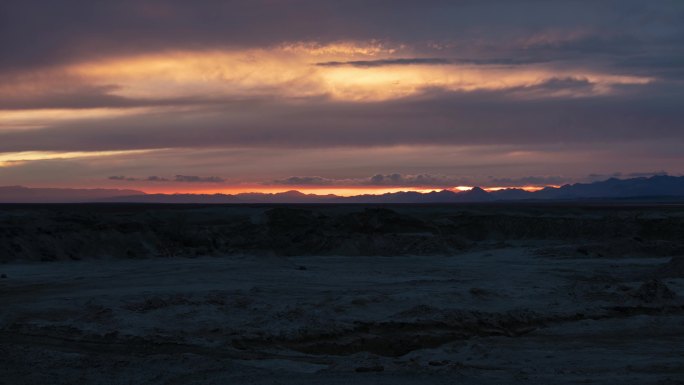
{"x": 18, "y": 158}
{"x": 341, "y": 191}
{"x": 294, "y": 73}
{"x": 334, "y": 107}
{"x": 346, "y": 191}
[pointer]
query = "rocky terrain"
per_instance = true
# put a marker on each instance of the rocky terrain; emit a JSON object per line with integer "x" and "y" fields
{"x": 100, "y": 231}
{"x": 439, "y": 294}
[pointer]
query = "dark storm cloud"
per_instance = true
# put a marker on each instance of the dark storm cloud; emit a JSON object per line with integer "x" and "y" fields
{"x": 423, "y": 180}
{"x": 647, "y": 174}
{"x": 198, "y": 179}
{"x": 668, "y": 64}
{"x": 562, "y": 84}
{"x": 444, "y": 118}
{"x": 386, "y": 180}
{"x": 636, "y": 33}
{"x": 177, "y": 178}
{"x": 568, "y": 86}
{"x": 304, "y": 181}
{"x": 419, "y": 180}
{"x": 155, "y": 178}
{"x": 628, "y": 175}
{"x": 530, "y": 181}
{"x": 122, "y": 178}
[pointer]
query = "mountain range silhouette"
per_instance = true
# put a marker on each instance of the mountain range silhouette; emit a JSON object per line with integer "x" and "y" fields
{"x": 660, "y": 187}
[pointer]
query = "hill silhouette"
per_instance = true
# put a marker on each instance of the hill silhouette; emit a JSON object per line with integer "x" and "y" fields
{"x": 661, "y": 187}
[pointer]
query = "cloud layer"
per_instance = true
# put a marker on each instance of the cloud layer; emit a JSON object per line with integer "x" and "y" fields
{"x": 177, "y": 178}
{"x": 257, "y": 91}
{"x": 423, "y": 181}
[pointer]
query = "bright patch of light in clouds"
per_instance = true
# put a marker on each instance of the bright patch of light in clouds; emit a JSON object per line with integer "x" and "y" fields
{"x": 478, "y": 93}
{"x": 10, "y": 159}
{"x": 39, "y": 118}
{"x": 292, "y": 73}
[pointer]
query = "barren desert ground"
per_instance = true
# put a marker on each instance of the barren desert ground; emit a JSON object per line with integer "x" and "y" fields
{"x": 489, "y": 294}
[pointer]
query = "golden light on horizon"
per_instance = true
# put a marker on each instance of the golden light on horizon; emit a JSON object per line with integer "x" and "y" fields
{"x": 526, "y": 188}
{"x": 344, "y": 191}
{"x": 239, "y": 189}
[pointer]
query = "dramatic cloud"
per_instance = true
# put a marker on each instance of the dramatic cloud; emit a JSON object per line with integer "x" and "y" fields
{"x": 386, "y": 62}
{"x": 177, "y": 178}
{"x": 123, "y": 178}
{"x": 307, "y": 181}
{"x": 40, "y": 32}
{"x": 423, "y": 181}
{"x": 486, "y": 118}
{"x": 263, "y": 89}
{"x": 198, "y": 179}
{"x": 429, "y": 61}
{"x": 155, "y": 178}
{"x": 387, "y": 180}
{"x": 600, "y": 177}
{"x": 530, "y": 181}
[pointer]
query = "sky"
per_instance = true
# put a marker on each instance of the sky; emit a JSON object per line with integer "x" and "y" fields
{"x": 338, "y": 96}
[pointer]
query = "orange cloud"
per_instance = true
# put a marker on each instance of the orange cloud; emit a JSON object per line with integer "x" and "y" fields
{"x": 290, "y": 72}
{"x": 9, "y": 159}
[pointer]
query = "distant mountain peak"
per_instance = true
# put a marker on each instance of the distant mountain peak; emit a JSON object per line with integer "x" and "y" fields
{"x": 662, "y": 186}
{"x": 293, "y": 193}
{"x": 22, "y": 194}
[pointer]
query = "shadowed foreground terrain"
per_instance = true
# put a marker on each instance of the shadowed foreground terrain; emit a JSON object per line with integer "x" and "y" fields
{"x": 335, "y": 294}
